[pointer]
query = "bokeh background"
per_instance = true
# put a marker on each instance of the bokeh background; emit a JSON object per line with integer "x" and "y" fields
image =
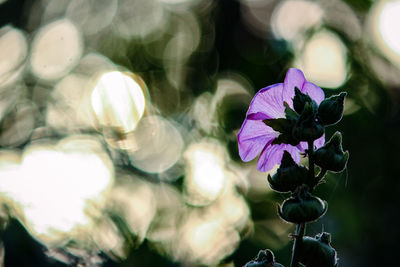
{"x": 118, "y": 124}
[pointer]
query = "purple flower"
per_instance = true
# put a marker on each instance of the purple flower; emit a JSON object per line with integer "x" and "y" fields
{"x": 255, "y": 136}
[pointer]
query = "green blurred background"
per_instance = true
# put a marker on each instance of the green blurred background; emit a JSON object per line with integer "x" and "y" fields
{"x": 141, "y": 168}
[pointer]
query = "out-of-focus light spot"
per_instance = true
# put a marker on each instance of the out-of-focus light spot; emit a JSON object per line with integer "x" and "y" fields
{"x": 53, "y": 9}
{"x": 158, "y": 145}
{"x": 350, "y": 106}
{"x": 206, "y": 176}
{"x": 383, "y": 25}
{"x": 13, "y": 51}
{"x": 56, "y": 49}
{"x": 18, "y": 124}
{"x": 384, "y": 69}
{"x": 170, "y": 211}
{"x": 10, "y": 97}
{"x": 9, "y": 157}
{"x": 118, "y": 101}
{"x": 106, "y": 236}
{"x": 92, "y": 16}
{"x": 54, "y": 184}
{"x": 339, "y": 15}
{"x": 135, "y": 202}
{"x": 324, "y": 60}
{"x": 136, "y": 18}
{"x": 231, "y": 209}
{"x": 181, "y": 2}
{"x": 68, "y": 110}
{"x": 206, "y": 241}
{"x": 206, "y": 106}
{"x": 94, "y": 63}
{"x": 231, "y": 84}
{"x": 293, "y": 17}
{"x": 185, "y": 39}
{"x": 257, "y": 189}
{"x": 203, "y": 112}
{"x": 388, "y": 21}
{"x": 256, "y": 16}
{"x": 198, "y": 236}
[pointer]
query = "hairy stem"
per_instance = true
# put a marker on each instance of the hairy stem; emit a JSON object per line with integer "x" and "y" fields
{"x": 300, "y": 230}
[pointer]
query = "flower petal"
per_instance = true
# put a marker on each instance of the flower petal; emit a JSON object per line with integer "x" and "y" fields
{"x": 316, "y": 93}
{"x": 253, "y": 137}
{"x": 317, "y": 143}
{"x": 267, "y": 104}
{"x": 294, "y": 78}
{"x": 270, "y": 156}
{"x": 320, "y": 141}
{"x": 294, "y": 152}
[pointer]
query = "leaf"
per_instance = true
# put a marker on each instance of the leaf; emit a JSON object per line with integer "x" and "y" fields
{"x": 285, "y": 139}
{"x": 290, "y": 113}
{"x": 285, "y": 128}
{"x": 280, "y": 125}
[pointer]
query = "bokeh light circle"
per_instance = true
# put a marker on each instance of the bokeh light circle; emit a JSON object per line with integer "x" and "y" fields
{"x": 56, "y": 49}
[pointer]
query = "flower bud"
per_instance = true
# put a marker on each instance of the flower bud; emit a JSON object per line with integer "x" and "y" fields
{"x": 302, "y": 208}
{"x": 300, "y": 100}
{"x": 331, "y": 156}
{"x": 289, "y": 175}
{"x": 316, "y": 252}
{"x": 307, "y": 128}
{"x": 265, "y": 258}
{"x": 330, "y": 110}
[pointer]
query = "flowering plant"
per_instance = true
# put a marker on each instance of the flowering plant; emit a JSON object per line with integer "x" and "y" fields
{"x": 283, "y": 122}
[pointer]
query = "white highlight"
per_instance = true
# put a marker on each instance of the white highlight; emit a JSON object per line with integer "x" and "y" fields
{"x": 206, "y": 175}
{"x": 53, "y": 184}
{"x": 118, "y": 101}
{"x": 388, "y": 24}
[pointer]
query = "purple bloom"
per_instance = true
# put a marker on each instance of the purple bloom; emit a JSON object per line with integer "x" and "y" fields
{"x": 255, "y": 136}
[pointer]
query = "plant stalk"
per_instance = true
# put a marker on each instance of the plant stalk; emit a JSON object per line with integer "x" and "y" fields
{"x": 311, "y": 160}
{"x": 300, "y": 230}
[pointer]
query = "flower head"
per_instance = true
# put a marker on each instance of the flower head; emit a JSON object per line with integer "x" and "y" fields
{"x": 255, "y": 136}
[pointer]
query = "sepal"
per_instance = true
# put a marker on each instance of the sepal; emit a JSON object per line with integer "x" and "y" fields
{"x": 285, "y": 128}
{"x": 307, "y": 128}
{"x": 302, "y": 208}
{"x": 330, "y": 111}
{"x": 300, "y": 100}
{"x": 331, "y": 156}
{"x": 316, "y": 252}
{"x": 289, "y": 176}
{"x": 265, "y": 258}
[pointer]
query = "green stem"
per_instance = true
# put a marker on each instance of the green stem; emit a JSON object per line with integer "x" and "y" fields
{"x": 300, "y": 230}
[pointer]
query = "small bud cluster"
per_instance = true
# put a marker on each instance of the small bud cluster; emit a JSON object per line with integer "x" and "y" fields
{"x": 265, "y": 258}
{"x": 317, "y": 251}
{"x": 306, "y": 122}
